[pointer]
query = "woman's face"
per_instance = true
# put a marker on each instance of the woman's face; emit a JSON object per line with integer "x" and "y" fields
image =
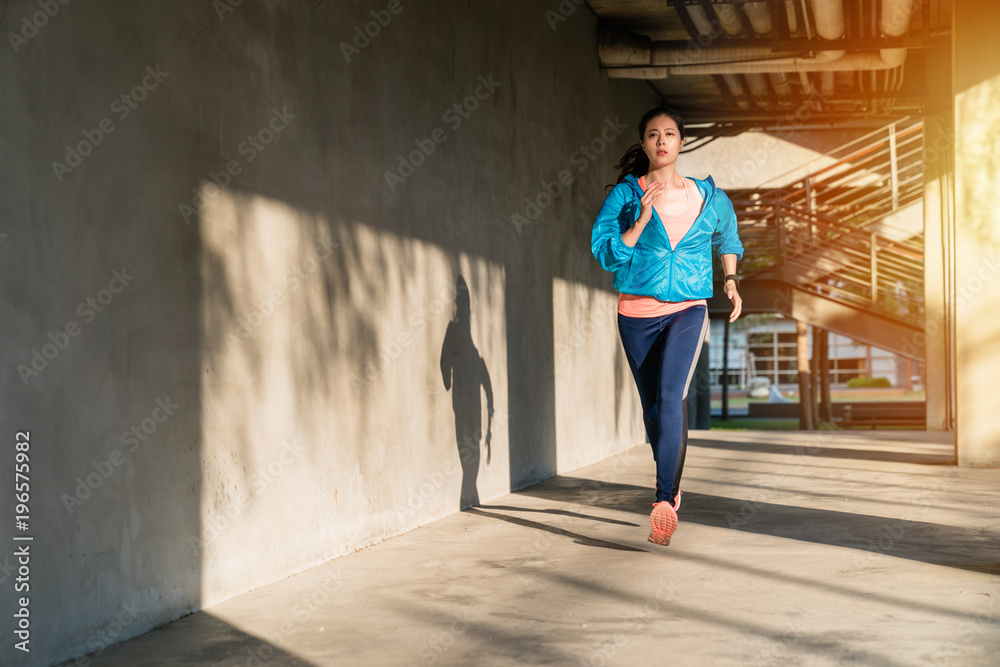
{"x": 662, "y": 142}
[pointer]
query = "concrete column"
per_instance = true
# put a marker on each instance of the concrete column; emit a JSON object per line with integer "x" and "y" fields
{"x": 805, "y": 382}
{"x": 814, "y": 373}
{"x": 939, "y": 208}
{"x": 976, "y": 76}
{"x": 826, "y": 406}
{"x": 938, "y": 225}
{"x": 725, "y": 371}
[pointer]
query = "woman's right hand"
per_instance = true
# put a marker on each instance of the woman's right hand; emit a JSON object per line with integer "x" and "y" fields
{"x": 649, "y": 198}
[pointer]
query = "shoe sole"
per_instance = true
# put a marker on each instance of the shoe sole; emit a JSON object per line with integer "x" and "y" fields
{"x": 659, "y": 539}
{"x": 663, "y": 521}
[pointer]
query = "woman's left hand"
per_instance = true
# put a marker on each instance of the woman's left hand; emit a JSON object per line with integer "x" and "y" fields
{"x": 734, "y": 296}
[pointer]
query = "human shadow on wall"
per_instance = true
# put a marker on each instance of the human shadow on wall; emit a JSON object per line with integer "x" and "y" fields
{"x": 464, "y": 372}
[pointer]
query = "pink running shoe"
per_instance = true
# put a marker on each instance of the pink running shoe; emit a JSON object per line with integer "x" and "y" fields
{"x": 663, "y": 521}
{"x": 677, "y": 505}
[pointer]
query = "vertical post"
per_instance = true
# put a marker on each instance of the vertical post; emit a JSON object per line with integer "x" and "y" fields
{"x": 775, "y": 353}
{"x": 873, "y": 240}
{"x": 835, "y": 371}
{"x": 725, "y": 371}
{"x": 826, "y": 407}
{"x": 802, "y": 358}
{"x": 810, "y": 207}
{"x": 893, "y": 167}
{"x": 814, "y": 377}
{"x": 779, "y": 236}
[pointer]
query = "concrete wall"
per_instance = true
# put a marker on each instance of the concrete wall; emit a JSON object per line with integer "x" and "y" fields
{"x": 229, "y": 332}
{"x": 976, "y": 290}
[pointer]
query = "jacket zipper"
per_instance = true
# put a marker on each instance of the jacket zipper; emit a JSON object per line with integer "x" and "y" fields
{"x": 671, "y": 252}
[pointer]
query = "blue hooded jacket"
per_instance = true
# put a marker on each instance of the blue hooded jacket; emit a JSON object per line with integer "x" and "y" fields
{"x": 652, "y": 267}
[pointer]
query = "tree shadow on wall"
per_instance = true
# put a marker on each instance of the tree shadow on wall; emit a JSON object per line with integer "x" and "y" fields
{"x": 464, "y": 372}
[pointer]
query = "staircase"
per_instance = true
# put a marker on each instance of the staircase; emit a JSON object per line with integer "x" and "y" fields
{"x": 824, "y": 249}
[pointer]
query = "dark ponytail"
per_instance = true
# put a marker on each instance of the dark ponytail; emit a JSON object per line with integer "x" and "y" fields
{"x": 635, "y": 161}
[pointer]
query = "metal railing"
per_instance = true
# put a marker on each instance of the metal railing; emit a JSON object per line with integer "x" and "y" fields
{"x": 826, "y": 232}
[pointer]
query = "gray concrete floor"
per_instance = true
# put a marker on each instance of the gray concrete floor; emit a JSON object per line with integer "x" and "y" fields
{"x": 793, "y": 549}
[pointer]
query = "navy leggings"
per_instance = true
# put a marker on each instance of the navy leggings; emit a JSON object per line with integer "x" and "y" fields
{"x": 662, "y": 352}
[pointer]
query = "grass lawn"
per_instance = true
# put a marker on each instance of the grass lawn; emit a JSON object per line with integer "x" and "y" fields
{"x": 741, "y": 424}
{"x": 744, "y": 424}
{"x": 836, "y": 396}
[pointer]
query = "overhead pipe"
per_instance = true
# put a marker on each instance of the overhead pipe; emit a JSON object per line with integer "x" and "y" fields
{"x": 808, "y": 89}
{"x": 873, "y": 60}
{"x": 829, "y": 18}
{"x": 805, "y": 20}
{"x": 642, "y": 73}
{"x": 793, "y": 25}
{"x": 895, "y": 17}
{"x": 735, "y": 86}
{"x": 894, "y": 23}
{"x": 641, "y": 56}
{"x": 779, "y": 81}
{"x": 626, "y": 49}
{"x": 807, "y": 86}
{"x": 700, "y": 19}
{"x": 759, "y": 88}
{"x": 759, "y": 14}
{"x": 729, "y": 18}
{"x": 827, "y": 84}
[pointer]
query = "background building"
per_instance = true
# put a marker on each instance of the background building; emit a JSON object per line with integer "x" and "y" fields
{"x": 766, "y": 347}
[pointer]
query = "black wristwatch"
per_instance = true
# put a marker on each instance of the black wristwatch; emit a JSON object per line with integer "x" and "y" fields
{"x": 734, "y": 278}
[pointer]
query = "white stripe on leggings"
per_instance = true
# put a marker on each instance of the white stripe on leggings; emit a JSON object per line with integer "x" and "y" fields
{"x": 694, "y": 362}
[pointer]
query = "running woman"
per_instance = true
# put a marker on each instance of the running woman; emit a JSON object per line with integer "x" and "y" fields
{"x": 655, "y": 232}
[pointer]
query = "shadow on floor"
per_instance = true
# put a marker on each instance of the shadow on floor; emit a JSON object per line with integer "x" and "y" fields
{"x": 575, "y": 515}
{"x": 531, "y": 645}
{"x": 576, "y": 537}
{"x": 937, "y": 544}
{"x": 750, "y": 626}
{"x": 207, "y": 640}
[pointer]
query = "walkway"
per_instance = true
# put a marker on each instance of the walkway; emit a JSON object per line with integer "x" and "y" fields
{"x": 793, "y": 549}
